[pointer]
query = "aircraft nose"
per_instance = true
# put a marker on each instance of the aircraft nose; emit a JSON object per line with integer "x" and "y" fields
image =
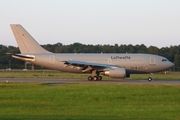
{"x": 171, "y": 64}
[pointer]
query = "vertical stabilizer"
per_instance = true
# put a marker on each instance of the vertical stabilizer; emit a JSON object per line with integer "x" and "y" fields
{"x": 26, "y": 43}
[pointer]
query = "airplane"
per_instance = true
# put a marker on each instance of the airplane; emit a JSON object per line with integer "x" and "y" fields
{"x": 113, "y": 65}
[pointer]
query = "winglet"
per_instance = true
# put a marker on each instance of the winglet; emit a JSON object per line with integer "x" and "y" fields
{"x": 26, "y": 43}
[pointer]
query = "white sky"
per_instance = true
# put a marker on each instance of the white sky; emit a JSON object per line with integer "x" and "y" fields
{"x": 149, "y": 22}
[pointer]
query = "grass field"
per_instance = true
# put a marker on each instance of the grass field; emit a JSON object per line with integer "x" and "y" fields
{"x": 56, "y": 74}
{"x": 21, "y": 101}
{"x": 89, "y": 101}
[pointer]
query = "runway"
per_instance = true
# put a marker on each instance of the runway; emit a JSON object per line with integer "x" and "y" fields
{"x": 66, "y": 81}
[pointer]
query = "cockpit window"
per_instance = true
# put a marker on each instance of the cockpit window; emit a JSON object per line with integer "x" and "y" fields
{"x": 164, "y": 60}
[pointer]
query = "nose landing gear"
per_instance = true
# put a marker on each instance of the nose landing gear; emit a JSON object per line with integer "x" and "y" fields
{"x": 150, "y": 78}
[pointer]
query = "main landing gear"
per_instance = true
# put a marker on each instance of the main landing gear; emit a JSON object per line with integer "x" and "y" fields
{"x": 150, "y": 78}
{"x": 95, "y": 78}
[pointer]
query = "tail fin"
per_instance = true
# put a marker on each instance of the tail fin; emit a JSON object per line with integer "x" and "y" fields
{"x": 26, "y": 43}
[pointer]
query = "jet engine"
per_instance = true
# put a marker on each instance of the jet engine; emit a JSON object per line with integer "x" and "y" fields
{"x": 116, "y": 72}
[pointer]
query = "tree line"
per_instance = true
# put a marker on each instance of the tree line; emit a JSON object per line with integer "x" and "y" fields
{"x": 172, "y": 52}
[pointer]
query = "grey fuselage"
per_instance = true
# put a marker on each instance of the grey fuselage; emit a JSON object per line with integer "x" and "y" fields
{"x": 133, "y": 63}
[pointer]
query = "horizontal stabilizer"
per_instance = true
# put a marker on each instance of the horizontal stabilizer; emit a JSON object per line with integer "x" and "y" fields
{"x": 24, "y": 57}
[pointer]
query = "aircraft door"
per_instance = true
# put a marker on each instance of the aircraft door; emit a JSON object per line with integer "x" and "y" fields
{"x": 51, "y": 59}
{"x": 109, "y": 60}
{"x": 152, "y": 61}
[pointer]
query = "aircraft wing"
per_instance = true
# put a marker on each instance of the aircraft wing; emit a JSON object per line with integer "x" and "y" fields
{"x": 87, "y": 66}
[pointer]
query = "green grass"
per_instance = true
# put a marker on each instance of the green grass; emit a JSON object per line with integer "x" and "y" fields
{"x": 56, "y": 74}
{"x": 89, "y": 101}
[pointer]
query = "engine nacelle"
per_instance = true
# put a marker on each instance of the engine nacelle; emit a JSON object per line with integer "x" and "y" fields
{"x": 116, "y": 72}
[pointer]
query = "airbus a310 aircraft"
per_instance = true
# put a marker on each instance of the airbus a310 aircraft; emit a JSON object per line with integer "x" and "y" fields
{"x": 112, "y": 65}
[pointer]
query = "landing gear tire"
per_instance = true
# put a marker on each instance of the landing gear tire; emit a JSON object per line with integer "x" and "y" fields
{"x": 90, "y": 78}
{"x": 99, "y": 78}
{"x": 150, "y": 79}
{"x": 95, "y": 78}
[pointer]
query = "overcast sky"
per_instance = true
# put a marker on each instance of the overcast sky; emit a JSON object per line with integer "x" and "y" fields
{"x": 148, "y": 22}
